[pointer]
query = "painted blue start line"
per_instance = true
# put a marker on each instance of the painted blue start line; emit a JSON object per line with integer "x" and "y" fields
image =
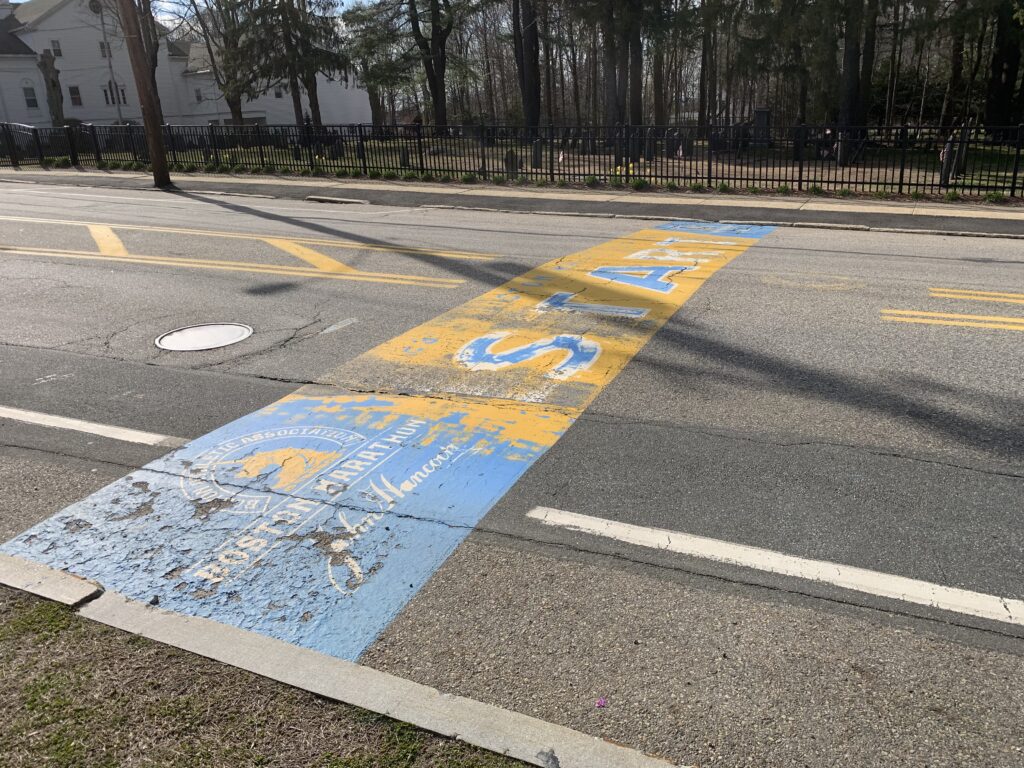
{"x": 316, "y": 519}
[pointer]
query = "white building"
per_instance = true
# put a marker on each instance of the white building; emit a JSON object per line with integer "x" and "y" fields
{"x": 94, "y": 75}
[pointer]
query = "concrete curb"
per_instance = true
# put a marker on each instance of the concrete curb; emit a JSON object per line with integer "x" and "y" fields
{"x": 482, "y": 725}
{"x": 46, "y": 582}
{"x": 336, "y": 200}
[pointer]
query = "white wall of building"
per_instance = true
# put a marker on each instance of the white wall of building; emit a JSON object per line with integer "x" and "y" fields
{"x": 190, "y": 98}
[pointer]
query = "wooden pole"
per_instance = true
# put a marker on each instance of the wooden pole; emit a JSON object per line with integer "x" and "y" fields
{"x": 144, "y": 85}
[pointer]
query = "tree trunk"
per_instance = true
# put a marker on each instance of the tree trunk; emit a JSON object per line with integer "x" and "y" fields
{"x": 955, "y": 86}
{"x": 867, "y": 64}
{"x": 849, "y": 95}
{"x": 234, "y": 103}
{"x": 636, "y": 66}
{"x": 658, "y": 84}
{"x": 1003, "y": 68}
{"x": 309, "y": 84}
{"x": 610, "y": 56}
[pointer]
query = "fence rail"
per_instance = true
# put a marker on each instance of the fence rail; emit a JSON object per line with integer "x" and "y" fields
{"x": 889, "y": 159}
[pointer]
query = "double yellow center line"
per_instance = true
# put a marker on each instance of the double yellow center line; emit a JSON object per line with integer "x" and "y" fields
{"x": 999, "y": 322}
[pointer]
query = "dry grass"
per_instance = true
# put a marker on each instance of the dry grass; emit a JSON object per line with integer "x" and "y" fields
{"x": 77, "y": 693}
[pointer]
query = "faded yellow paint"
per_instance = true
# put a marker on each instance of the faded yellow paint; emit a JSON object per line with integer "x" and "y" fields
{"x": 998, "y": 322}
{"x": 308, "y": 255}
{"x": 239, "y": 266}
{"x": 424, "y": 359}
{"x": 969, "y": 295}
{"x": 294, "y": 465}
{"x": 107, "y": 241}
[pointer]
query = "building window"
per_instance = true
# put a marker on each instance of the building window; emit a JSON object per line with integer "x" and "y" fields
{"x": 55, "y": 49}
{"x": 30, "y": 97}
{"x": 76, "y": 95}
{"x": 199, "y": 95}
{"x": 104, "y": 49}
{"x": 114, "y": 94}
{"x": 278, "y": 93}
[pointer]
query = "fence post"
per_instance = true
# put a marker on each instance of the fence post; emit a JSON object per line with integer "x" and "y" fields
{"x": 69, "y": 136}
{"x": 483, "y": 151}
{"x": 551, "y": 152}
{"x": 39, "y": 146}
{"x": 711, "y": 176}
{"x": 96, "y": 145}
{"x": 627, "y": 156}
{"x": 259, "y": 145}
{"x": 904, "y": 138}
{"x": 419, "y": 147}
{"x": 213, "y": 145}
{"x": 1016, "y": 161}
{"x": 169, "y": 130}
{"x": 946, "y": 168}
{"x": 801, "y": 144}
{"x": 361, "y": 149}
{"x": 9, "y": 141}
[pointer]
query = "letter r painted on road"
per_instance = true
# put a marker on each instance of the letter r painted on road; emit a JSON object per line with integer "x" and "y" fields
{"x": 579, "y": 354}
{"x": 650, "y": 278}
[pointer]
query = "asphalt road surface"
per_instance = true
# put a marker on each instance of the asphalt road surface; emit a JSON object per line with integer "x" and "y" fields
{"x": 829, "y": 401}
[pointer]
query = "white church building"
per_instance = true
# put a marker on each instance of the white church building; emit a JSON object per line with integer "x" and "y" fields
{"x": 95, "y": 82}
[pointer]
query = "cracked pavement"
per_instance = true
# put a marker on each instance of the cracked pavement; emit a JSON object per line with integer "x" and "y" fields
{"x": 776, "y": 409}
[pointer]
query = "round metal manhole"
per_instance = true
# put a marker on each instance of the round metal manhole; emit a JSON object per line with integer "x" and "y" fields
{"x": 194, "y": 338}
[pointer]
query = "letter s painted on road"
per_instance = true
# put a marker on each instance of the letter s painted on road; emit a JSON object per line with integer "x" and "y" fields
{"x": 580, "y": 354}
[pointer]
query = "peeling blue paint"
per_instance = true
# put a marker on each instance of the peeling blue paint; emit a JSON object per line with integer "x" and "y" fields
{"x": 714, "y": 228}
{"x": 313, "y": 521}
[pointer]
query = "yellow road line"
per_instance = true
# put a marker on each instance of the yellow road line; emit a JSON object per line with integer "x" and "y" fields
{"x": 963, "y": 323}
{"x": 238, "y": 266}
{"x": 350, "y": 244}
{"x": 108, "y": 242}
{"x": 996, "y": 296}
{"x": 950, "y": 318}
{"x": 308, "y": 255}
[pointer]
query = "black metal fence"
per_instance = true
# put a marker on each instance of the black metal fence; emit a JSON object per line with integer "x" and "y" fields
{"x": 805, "y": 158}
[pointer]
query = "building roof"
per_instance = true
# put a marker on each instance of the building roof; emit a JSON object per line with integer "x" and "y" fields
{"x": 10, "y": 44}
{"x": 31, "y": 11}
{"x": 177, "y": 47}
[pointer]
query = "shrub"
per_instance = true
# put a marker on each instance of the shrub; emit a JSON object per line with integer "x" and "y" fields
{"x": 995, "y": 197}
{"x": 468, "y": 178}
{"x": 845, "y": 192}
{"x": 522, "y": 180}
{"x": 45, "y": 163}
{"x": 498, "y": 179}
{"x": 754, "y": 190}
{"x": 785, "y": 189}
{"x": 239, "y": 168}
{"x": 561, "y": 183}
{"x": 190, "y": 168}
{"x": 101, "y": 165}
{"x": 591, "y": 181}
{"x": 952, "y": 196}
{"x": 112, "y": 165}
{"x": 62, "y": 162}
{"x": 615, "y": 181}
{"x": 410, "y": 176}
{"x": 373, "y": 173}
{"x": 917, "y": 194}
{"x": 426, "y": 176}
{"x": 210, "y": 167}
{"x": 305, "y": 172}
{"x": 814, "y": 189}
{"x": 639, "y": 184}
{"x": 444, "y": 178}
{"x": 223, "y": 168}
{"x": 724, "y": 187}
{"x": 696, "y": 186}
{"x": 540, "y": 182}
{"x": 341, "y": 173}
{"x": 389, "y": 175}
{"x": 671, "y": 186}
{"x": 881, "y": 194}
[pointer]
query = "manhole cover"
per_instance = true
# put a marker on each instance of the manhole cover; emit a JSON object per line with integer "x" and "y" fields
{"x": 193, "y": 338}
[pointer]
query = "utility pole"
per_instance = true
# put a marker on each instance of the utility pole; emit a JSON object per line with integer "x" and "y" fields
{"x": 144, "y": 85}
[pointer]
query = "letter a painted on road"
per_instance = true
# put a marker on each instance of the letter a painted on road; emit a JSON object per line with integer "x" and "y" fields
{"x": 651, "y": 278}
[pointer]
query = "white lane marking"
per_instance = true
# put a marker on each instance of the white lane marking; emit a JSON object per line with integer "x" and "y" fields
{"x": 339, "y": 325}
{"x": 78, "y": 425}
{"x": 963, "y": 601}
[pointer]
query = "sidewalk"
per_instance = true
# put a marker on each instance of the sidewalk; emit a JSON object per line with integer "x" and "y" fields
{"x": 860, "y": 213}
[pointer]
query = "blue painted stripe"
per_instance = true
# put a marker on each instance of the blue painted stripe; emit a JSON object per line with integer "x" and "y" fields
{"x": 714, "y": 228}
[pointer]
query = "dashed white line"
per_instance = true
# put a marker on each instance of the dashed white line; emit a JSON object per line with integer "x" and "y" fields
{"x": 90, "y": 427}
{"x": 961, "y": 601}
